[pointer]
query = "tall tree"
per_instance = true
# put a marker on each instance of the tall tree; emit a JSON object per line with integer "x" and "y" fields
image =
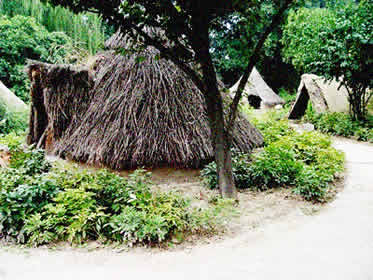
{"x": 187, "y": 24}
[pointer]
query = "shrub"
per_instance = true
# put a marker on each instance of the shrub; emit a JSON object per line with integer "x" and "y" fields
{"x": 86, "y": 29}
{"x": 364, "y": 134}
{"x": 19, "y": 198}
{"x": 12, "y": 122}
{"x": 275, "y": 166}
{"x": 73, "y": 215}
{"x": 306, "y": 145}
{"x": 340, "y": 124}
{"x": 240, "y": 167}
{"x": 312, "y": 184}
{"x": 40, "y": 204}
{"x": 287, "y": 97}
{"x": 305, "y": 161}
{"x": 273, "y": 129}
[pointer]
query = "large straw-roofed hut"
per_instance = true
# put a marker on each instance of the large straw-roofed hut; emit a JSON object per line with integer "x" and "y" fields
{"x": 124, "y": 113}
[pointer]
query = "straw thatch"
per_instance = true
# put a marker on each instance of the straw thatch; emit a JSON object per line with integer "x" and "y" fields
{"x": 257, "y": 93}
{"x": 125, "y": 113}
{"x": 324, "y": 96}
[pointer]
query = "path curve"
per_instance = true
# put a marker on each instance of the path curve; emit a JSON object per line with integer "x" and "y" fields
{"x": 335, "y": 244}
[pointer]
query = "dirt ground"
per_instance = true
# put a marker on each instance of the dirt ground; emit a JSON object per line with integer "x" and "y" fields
{"x": 276, "y": 237}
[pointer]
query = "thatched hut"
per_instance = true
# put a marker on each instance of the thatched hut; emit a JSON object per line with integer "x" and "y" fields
{"x": 324, "y": 96}
{"x": 257, "y": 93}
{"x": 123, "y": 112}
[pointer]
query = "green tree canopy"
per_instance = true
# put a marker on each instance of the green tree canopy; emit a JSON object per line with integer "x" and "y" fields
{"x": 21, "y": 38}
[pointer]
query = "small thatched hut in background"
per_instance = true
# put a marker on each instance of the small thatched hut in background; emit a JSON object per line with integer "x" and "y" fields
{"x": 257, "y": 93}
{"x": 124, "y": 113}
{"x": 324, "y": 96}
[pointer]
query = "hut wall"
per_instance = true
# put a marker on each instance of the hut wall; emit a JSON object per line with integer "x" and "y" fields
{"x": 60, "y": 97}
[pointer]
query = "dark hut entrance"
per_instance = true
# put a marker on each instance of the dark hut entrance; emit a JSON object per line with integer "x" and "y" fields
{"x": 254, "y": 101}
{"x": 38, "y": 117}
{"x": 300, "y": 105}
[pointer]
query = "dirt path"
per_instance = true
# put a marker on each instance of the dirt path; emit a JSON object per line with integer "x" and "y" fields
{"x": 334, "y": 244}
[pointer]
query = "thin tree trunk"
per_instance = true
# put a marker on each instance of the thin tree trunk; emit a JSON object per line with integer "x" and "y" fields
{"x": 214, "y": 104}
{"x": 219, "y": 136}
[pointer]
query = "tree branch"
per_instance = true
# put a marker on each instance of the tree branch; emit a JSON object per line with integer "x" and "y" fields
{"x": 253, "y": 59}
{"x": 166, "y": 52}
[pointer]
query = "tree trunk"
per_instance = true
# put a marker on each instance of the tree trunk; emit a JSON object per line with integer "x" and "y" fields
{"x": 219, "y": 136}
{"x": 214, "y": 104}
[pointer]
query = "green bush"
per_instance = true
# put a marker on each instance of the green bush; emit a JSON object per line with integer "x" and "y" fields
{"x": 40, "y": 204}
{"x": 312, "y": 184}
{"x": 287, "y": 97}
{"x": 240, "y": 167}
{"x": 20, "y": 199}
{"x": 304, "y": 161}
{"x": 274, "y": 166}
{"x": 21, "y": 38}
{"x": 12, "y": 122}
{"x": 340, "y": 124}
{"x": 273, "y": 129}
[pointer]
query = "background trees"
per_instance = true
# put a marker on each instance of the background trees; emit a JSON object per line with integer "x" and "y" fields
{"x": 233, "y": 40}
{"x": 22, "y": 38}
{"x": 86, "y": 30}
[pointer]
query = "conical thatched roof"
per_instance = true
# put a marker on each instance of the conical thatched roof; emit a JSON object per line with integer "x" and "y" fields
{"x": 324, "y": 96}
{"x": 126, "y": 112}
{"x": 256, "y": 86}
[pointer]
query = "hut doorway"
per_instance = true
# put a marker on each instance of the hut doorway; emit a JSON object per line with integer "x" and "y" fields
{"x": 38, "y": 116}
{"x": 300, "y": 105}
{"x": 254, "y": 101}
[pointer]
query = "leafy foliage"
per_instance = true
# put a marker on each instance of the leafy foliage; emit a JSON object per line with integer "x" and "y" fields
{"x": 304, "y": 161}
{"x": 40, "y": 204}
{"x": 340, "y": 124}
{"x": 86, "y": 29}
{"x": 233, "y": 40}
{"x": 12, "y": 122}
{"x": 22, "y": 38}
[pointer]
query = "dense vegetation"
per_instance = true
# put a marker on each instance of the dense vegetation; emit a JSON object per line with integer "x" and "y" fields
{"x": 87, "y": 30}
{"x": 11, "y": 121}
{"x": 304, "y": 161}
{"x": 41, "y": 204}
{"x": 21, "y": 38}
{"x": 341, "y": 124}
{"x": 336, "y": 44}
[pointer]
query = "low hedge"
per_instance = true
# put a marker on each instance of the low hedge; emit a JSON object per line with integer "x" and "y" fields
{"x": 304, "y": 161}
{"x": 41, "y": 204}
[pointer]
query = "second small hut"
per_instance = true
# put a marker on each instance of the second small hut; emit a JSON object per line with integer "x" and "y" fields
{"x": 124, "y": 113}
